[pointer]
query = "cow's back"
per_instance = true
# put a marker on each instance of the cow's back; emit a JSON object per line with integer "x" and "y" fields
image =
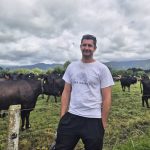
{"x": 16, "y": 92}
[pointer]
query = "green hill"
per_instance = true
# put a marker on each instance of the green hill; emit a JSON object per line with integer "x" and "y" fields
{"x": 118, "y": 65}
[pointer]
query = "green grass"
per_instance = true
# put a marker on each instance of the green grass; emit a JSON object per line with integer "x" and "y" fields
{"x": 128, "y": 124}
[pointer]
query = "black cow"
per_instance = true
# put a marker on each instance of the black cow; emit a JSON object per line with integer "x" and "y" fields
{"x": 21, "y": 76}
{"x": 24, "y": 92}
{"x": 145, "y": 82}
{"x": 57, "y": 86}
{"x": 127, "y": 81}
{"x": 4, "y": 77}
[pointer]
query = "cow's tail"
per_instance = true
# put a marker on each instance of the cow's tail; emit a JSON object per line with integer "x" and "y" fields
{"x": 141, "y": 87}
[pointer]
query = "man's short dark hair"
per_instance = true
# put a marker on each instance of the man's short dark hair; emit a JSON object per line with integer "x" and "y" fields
{"x": 89, "y": 37}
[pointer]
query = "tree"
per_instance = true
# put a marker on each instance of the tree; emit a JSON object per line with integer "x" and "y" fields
{"x": 66, "y": 64}
{"x": 22, "y": 70}
{"x": 37, "y": 71}
{"x": 140, "y": 73}
{"x": 59, "y": 70}
{"x": 1, "y": 68}
{"x": 49, "y": 71}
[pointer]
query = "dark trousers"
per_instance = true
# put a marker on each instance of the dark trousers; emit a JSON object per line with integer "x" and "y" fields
{"x": 71, "y": 128}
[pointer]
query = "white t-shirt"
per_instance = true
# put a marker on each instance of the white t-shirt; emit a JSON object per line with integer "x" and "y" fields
{"x": 86, "y": 80}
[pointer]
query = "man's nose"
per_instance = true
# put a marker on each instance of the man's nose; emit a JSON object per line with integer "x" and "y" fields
{"x": 86, "y": 46}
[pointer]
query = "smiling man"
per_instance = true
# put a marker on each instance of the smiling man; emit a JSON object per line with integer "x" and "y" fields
{"x": 86, "y": 101}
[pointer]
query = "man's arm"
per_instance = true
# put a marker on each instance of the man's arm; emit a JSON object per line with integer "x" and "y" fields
{"x": 65, "y": 99}
{"x": 106, "y": 104}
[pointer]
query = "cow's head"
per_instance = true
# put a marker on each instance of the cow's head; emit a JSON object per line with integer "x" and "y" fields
{"x": 51, "y": 85}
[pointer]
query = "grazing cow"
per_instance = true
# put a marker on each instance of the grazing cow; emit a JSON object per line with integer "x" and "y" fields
{"x": 127, "y": 81}
{"x": 145, "y": 83}
{"x": 24, "y": 92}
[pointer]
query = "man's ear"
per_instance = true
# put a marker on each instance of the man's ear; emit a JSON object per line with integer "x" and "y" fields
{"x": 80, "y": 46}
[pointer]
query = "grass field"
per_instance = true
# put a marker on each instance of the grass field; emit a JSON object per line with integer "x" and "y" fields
{"x": 128, "y": 124}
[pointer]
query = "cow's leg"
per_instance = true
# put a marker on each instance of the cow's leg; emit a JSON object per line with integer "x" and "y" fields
{"x": 143, "y": 100}
{"x": 128, "y": 88}
{"x": 48, "y": 97}
{"x": 27, "y": 119}
{"x": 55, "y": 99}
{"x": 23, "y": 120}
{"x": 123, "y": 88}
{"x": 146, "y": 101}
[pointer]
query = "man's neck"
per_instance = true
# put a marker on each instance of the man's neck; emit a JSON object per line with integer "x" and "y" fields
{"x": 90, "y": 60}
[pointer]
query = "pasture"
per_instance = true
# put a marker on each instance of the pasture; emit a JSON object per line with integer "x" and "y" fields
{"x": 128, "y": 124}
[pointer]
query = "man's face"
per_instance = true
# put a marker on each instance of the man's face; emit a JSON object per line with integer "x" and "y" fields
{"x": 87, "y": 48}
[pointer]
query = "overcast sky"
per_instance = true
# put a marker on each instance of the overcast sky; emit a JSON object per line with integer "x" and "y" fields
{"x": 49, "y": 31}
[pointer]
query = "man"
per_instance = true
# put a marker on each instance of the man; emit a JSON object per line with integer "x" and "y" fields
{"x": 85, "y": 102}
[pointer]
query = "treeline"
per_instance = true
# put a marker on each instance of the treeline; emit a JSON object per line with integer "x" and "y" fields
{"x": 131, "y": 71}
{"x": 36, "y": 71}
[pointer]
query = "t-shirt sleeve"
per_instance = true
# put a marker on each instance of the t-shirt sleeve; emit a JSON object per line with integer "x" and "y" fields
{"x": 106, "y": 78}
{"x": 66, "y": 75}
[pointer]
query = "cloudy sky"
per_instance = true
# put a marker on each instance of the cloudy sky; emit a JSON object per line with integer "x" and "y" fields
{"x": 49, "y": 31}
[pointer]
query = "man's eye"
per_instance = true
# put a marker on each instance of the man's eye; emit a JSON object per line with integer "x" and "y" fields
{"x": 89, "y": 45}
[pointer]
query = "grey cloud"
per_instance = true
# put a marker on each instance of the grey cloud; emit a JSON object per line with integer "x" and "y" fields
{"x": 47, "y": 18}
{"x": 50, "y": 31}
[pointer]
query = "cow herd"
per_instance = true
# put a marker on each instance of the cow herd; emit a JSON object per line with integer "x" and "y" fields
{"x": 25, "y": 91}
{"x": 127, "y": 81}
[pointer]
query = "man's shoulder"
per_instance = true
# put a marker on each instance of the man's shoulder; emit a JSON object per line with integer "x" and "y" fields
{"x": 74, "y": 63}
{"x": 101, "y": 65}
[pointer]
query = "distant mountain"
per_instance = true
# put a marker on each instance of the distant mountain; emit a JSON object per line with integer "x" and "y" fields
{"x": 121, "y": 65}
{"x": 42, "y": 66}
